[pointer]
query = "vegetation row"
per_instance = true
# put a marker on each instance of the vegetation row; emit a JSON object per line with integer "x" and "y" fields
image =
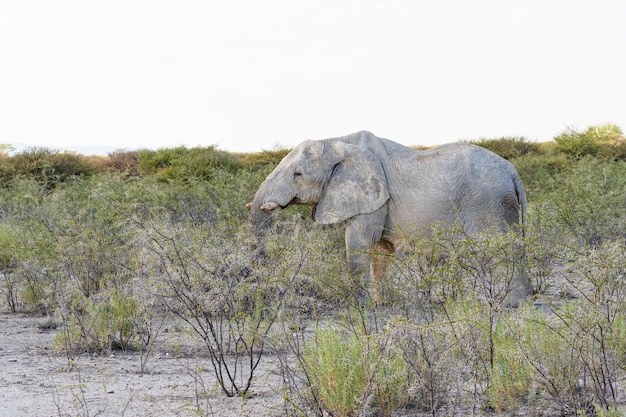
{"x": 112, "y": 247}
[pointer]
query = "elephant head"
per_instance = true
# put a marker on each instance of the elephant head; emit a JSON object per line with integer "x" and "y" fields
{"x": 339, "y": 180}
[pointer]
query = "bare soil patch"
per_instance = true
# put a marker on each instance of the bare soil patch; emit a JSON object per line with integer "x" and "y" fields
{"x": 35, "y": 380}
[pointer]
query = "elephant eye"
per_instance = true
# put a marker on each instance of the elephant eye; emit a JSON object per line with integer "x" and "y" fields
{"x": 297, "y": 174}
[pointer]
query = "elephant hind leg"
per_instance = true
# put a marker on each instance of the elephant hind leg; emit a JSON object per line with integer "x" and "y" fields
{"x": 381, "y": 257}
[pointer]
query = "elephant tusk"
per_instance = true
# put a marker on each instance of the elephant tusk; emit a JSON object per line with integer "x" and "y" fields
{"x": 270, "y": 206}
{"x": 248, "y": 206}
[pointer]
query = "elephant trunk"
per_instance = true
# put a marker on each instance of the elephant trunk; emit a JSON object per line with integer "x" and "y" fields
{"x": 260, "y": 222}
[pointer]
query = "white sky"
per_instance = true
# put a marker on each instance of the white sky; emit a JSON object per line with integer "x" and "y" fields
{"x": 247, "y": 75}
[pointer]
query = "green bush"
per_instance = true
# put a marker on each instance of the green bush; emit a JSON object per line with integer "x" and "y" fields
{"x": 585, "y": 202}
{"x": 11, "y": 253}
{"x": 510, "y": 147}
{"x": 537, "y": 171}
{"x": 182, "y": 163}
{"x": 204, "y": 279}
{"x": 594, "y": 140}
{"x": 339, "y": 371}
{"x": 46, "y": 166}
{"x": 349, "y": 373}
{"x": 9, "y": 239}
{"x": 511, "y": 376}
{"x": 576, "y": 144}
{"x": 99, "y": 324}
{"x": 264, "y": 158}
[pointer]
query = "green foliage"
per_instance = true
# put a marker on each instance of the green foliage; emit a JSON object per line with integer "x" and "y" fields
{"x": 338, "y": 366}
{"x": 485, "y": 267}
{"x": 182, "y": 163}
{"x": 537, "y": 171}
{"x": 11, "y": 253}
{"x": 205, "y": 282}
{"x": 442, "y": 344}
{"x": 614, "y": 150}
{"x": 99, "y": 324}
{"x": 5, "y": 149}
{"x": 348, "y": 371}
{"x": 591, "y": 142}
{"x": 264, "y": 158}
{"x": 512, "y": 353}
{"x": 605, "y": 133}
{"x": 510, "y": 147}
{"x": 584, "y": 203}
{"x": 511, "y": 377}
{"x": 576, "y": 144}
{"x": 47, "y": 166}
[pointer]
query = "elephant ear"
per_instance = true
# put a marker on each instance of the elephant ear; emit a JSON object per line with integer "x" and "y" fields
{"x": 357, "y": 185}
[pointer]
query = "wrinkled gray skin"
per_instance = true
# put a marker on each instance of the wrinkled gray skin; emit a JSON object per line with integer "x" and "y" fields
{"x": 385, "y": 191}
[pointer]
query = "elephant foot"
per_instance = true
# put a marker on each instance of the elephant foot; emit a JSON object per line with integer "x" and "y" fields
{"x": 518, "y": 296}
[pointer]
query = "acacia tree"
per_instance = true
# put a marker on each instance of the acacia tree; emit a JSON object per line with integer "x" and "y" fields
{"x": 605, "y": 133}
{"x": 578, "y": 144}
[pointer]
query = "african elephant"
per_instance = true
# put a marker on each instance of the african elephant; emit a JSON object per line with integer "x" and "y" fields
{"x": 384, "y": 191}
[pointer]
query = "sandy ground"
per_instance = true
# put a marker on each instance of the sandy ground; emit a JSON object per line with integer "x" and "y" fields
{"x": 34, "y": 381}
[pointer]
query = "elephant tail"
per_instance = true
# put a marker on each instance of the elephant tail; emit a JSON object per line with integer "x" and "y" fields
{"x": 521, "y": 198}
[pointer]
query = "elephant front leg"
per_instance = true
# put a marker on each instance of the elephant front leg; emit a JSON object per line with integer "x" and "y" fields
{"x": 380, "y": 259}
{"x": 362, "y": 234}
